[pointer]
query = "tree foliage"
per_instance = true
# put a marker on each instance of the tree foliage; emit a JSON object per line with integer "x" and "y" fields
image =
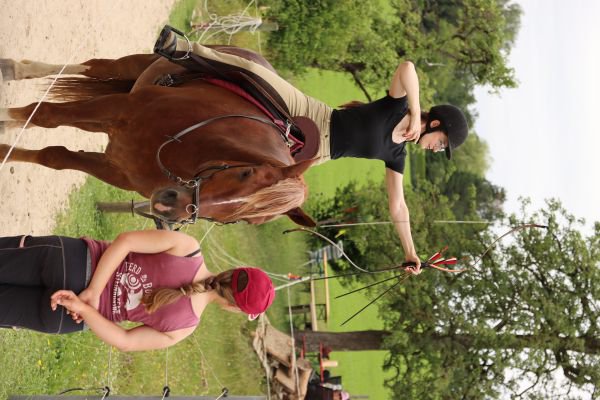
{"x": 457, "y": 43}
{"x": 523, "y": 322}
{"x": 527, "y": 311}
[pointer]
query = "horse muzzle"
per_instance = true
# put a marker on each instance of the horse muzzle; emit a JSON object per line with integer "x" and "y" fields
{"x": 172, "y": 204}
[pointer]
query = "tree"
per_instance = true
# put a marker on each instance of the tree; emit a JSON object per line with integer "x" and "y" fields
{"x": 316, "y": 32}
{"x": 457, "y": 43}
{"x": 511, "y": 326}
{"x": 528, "y": 311}
{"x": 344, "y": 341}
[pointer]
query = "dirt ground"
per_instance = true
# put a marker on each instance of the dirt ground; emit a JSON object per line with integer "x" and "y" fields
{"x": 54, "y": 31}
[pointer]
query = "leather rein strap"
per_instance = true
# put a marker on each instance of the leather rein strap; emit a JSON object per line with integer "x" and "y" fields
{"x": 191, "y": 183}
{"x": 194, "y": 207}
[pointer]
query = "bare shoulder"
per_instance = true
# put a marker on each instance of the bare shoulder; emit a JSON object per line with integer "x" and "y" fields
{"x": 183, "y": 244}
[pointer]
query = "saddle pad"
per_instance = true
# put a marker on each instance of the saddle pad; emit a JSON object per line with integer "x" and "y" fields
{"x": 312, "y": 138}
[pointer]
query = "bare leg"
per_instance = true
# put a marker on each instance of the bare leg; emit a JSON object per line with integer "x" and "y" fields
{"x": 58, "y": 157}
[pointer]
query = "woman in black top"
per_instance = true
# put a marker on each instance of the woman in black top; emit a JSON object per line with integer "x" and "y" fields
{"x": 378, "y": 130}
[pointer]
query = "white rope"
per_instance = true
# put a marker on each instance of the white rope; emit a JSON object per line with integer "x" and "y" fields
{"x": 257, "y": 31}
{"x": 292, "y": 283}
{"x": 230, "y": 24}
{"x": 208, "y": 365}
{"x": 267, "y": 368}
{"x": 293, "y": 343}
{"x": 166, "y": 367}
{"x": 108, "y": 381}
{"x": 227, "y": 258}
{"x": 235, "y": 261}
{"x": 274, "y": 277}
{"x": 33, "y": 112}
{"x": 439, "y": 221}
{"x": 207, "y": 232}
{"x": 212, "y": 255}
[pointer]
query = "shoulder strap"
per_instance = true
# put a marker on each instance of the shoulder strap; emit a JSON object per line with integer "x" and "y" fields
{"x": 193, "y": 253}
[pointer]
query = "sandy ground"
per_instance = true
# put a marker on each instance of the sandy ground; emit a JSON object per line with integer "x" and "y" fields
{"x": 53, "y": 31}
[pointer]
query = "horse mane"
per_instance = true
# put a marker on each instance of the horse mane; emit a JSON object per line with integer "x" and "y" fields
{"x": 276, "y": 199}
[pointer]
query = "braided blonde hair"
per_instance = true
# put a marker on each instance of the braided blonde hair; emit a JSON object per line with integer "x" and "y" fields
{"x": 221, "y": 283}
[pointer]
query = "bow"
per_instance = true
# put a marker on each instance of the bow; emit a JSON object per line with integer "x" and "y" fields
{"x": 435, "y": 261}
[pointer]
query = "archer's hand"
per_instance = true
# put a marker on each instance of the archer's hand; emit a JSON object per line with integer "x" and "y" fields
{"x": 413, "y": 131}
{"x": 416, "y": 269}
{"x": 70, "y": 301}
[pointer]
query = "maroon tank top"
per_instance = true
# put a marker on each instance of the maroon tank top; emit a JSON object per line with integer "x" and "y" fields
{"x": 139, "y": 274}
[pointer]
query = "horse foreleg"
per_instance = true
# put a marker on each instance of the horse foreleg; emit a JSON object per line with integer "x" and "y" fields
{"x": 124, "y": 68}
{"x": 59, "y": 157}
{"x": 93, "y": 115}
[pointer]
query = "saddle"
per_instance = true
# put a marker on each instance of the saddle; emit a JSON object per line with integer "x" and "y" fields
{"x": 302, "y": 133}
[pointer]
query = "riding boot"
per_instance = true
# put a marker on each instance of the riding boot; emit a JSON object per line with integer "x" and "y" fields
{"x": 179, "y": 51}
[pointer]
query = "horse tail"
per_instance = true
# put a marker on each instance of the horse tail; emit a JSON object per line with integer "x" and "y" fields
{"x": 75, "y": 89}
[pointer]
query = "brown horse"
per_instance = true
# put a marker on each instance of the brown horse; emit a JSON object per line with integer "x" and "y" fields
{"x": 119, "y": 97}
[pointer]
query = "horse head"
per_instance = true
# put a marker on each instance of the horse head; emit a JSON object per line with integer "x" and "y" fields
{"x": 231, "y": 191}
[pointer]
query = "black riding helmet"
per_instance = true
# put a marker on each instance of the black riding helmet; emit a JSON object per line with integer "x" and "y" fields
{"x": 452, "y": 122}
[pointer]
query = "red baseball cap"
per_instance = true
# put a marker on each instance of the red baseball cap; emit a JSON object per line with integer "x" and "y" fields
{"x": 258, "y": 294}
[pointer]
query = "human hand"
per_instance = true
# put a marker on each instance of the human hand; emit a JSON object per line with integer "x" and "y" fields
{"x": 413, "y": 131}
{"x": 413, "y": 269}
{"x": 69, "y": 301}
{"x": 89, "y": 297}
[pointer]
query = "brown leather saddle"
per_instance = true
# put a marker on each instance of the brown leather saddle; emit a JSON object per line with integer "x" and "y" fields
{"x": 303, "y": 129}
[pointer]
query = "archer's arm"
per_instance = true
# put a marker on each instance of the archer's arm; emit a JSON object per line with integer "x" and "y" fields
{"x": 400, "y": 215}
{"x": 406, "y": 83}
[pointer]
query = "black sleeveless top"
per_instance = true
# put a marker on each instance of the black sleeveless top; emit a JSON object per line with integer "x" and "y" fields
{"x": 366, "y": 132}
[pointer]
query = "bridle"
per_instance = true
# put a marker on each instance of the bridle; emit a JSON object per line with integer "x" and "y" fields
{"x": 194, "y": 207}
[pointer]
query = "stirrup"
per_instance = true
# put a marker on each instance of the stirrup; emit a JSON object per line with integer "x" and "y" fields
{"x": 168, "y": 50}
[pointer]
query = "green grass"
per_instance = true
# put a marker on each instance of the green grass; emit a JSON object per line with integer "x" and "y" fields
{"x": 181, "y": 14}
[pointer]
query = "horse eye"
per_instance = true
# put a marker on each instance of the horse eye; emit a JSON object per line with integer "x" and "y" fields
{"x": 246, "y": 173}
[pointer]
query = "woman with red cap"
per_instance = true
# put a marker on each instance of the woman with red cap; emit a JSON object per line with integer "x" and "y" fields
{"x": 378, "y": 130}
{"x": 156, "y": 278}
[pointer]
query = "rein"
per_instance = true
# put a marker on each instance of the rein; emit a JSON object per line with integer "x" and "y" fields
{"x": 196, "y": 181}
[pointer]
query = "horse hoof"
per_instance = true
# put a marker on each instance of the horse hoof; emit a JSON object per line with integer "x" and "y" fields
{"x": 7, "y": 69}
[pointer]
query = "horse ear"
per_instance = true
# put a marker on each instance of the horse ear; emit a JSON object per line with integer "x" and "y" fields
{"x": 294, "y": 171}
{"x": 300, "y": 217}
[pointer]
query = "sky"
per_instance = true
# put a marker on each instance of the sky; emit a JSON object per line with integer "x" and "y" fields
{"x": 544, "y": 135}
